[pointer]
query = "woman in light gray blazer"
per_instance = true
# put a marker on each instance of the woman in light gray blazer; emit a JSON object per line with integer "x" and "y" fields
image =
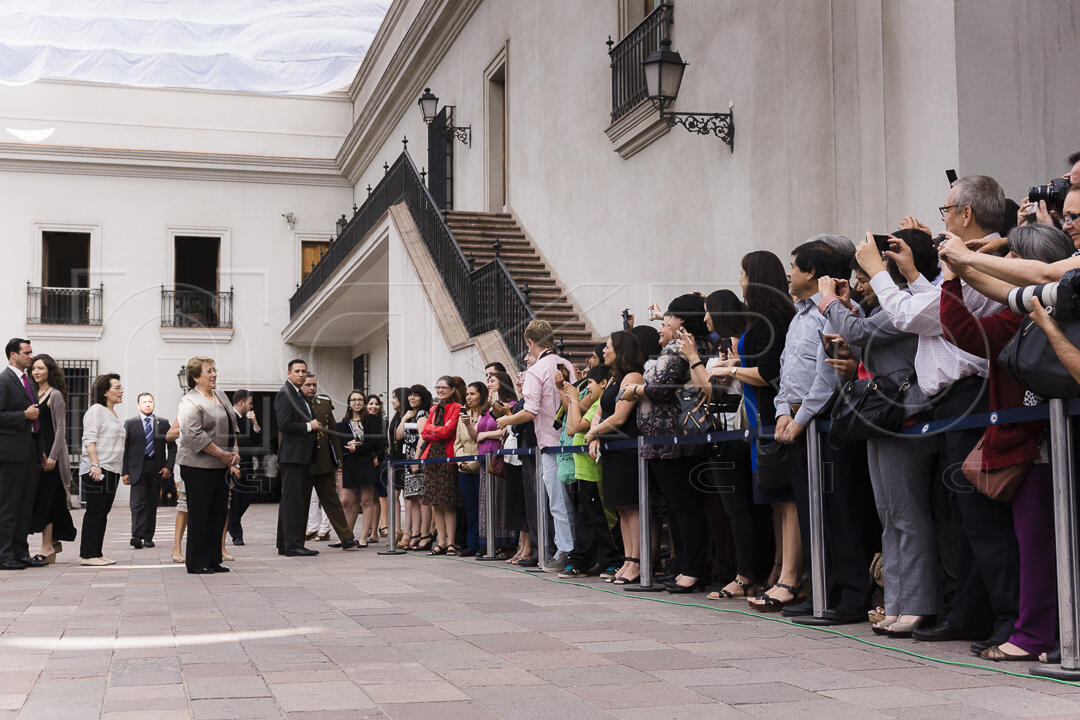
{"x": 902, "y": 467}
{"x": 207, "y": 452}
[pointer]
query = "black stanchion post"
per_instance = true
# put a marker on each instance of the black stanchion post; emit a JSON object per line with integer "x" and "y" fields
{"x": 391, "y": 514}
{"x": 1067, "y": 546}
{"x": 817, "y": 518}
{"x": 541, "y": 514}
{"x": 645, "y": 584}
{"x": 488, "y": 481}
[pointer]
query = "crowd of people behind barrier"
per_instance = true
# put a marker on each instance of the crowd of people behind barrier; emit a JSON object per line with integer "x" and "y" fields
{"x": 941, "y": 536}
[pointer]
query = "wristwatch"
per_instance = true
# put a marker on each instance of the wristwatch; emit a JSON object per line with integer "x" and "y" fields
{"x": 734, "y": 370}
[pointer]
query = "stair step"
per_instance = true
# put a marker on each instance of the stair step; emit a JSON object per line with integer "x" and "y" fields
{"x": 473, "y": 214}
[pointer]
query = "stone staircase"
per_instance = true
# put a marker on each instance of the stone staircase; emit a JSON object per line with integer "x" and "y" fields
{"x": 480, "y": 235}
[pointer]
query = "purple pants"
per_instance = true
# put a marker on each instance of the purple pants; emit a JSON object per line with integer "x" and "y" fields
{"x": 1033, "y": 520}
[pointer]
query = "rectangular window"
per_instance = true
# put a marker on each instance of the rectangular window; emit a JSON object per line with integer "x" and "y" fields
{"x": 311, "y": 252}
{"x": 79, "y": 375}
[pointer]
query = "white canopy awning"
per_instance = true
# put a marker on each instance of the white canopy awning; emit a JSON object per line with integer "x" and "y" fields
{"x": 267, "y": 46}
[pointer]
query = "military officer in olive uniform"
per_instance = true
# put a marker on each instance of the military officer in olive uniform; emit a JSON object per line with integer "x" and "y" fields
{"x": 325, "y": 461}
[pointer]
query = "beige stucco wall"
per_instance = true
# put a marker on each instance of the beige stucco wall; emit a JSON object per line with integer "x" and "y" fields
{"x": 847, "y": 113}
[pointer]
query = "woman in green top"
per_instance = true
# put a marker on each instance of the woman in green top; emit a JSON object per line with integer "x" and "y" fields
{"x": 593, "y": 544}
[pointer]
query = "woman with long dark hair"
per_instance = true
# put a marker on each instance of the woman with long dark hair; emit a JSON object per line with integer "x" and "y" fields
{"x": 51, "y": 517}
{"x": 476, "y": 406}
{"x": 418, "y": 403}
{"x": 356, "y": 491}
{"x": 755, "y": 363}
{"x": 617, "y": 420}
{"x": 99, "y": 469}
{"x": 399, "y": 402}
{"x": 504, "y": 398}
{"x": 441, "y": 490}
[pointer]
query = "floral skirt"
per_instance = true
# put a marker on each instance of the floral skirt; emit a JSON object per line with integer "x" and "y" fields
{"x": 441, "y": 486}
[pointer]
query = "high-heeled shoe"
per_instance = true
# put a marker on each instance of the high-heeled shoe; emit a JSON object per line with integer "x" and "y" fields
{"x": 405, "y": 541}
{"x": 904, "y": 629}
{"x": 675, "y": 588}
{"x": 425, "y": 542}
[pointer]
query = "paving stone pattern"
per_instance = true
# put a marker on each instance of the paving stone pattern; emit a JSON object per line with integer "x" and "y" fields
{"x": 358, "y": 635}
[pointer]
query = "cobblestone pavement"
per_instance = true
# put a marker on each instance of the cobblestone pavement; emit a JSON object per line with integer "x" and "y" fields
{"x": 358, "y": 635}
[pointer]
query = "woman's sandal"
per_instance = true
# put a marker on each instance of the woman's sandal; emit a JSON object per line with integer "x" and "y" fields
{"x": 405, "y": 542}
{"x": 771, "y": 604}
{"x": 384, "y": 531}
{"x": 881, "y": 627}
{"x": 624, "y": 580}
{"x": 424, "y": 544}
{"x": 438, "y": 550}
{"x": 453, "y": 550}
{"x": 996, "y": 654}
{"x": 725, "y": 594}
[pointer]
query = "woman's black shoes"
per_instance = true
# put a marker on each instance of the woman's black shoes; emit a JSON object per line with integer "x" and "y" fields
{"x": 676, "y": 589}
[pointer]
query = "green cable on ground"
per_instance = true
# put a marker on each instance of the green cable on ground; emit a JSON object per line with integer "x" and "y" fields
{"x": 760, "y": 616}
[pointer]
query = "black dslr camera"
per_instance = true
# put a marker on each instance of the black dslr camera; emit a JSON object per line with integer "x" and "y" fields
{"x": 1053, "y": 192}
{"x": 1062, "y": 299}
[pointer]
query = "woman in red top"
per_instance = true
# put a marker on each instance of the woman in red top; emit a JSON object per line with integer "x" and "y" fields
{"x": 441, "y": 490}
{"x": 1011, "y": 444}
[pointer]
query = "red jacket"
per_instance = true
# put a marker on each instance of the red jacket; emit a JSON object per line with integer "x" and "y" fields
{"x": 445, "y": 433}
{"x": 986, "y": 337}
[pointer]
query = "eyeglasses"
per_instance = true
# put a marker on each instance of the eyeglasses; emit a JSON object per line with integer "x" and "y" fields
{"x": 442, "y": 387}
{"x": 1069, "y": 218}
{"x": 944, "y": 210}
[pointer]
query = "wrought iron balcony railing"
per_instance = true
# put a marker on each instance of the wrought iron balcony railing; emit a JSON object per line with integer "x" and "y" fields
{"x": 192, "y": 307}
{"x": 627, "y": 74}
{"x": 63, "y": 306}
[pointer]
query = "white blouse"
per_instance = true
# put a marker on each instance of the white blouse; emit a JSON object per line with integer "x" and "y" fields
{"x": 102, "y": 427}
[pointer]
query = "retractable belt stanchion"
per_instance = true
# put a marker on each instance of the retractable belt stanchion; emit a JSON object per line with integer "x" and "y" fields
{"x": 488, "y": 481}
{"x": 645, "y": 583}
{"x": 391, "y": 514}
{"x": 541, "y": 514}
{"x": 817, "y": 518}
{"x": 1067, "y": 546}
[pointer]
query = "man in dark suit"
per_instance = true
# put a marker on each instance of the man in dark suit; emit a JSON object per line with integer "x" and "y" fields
{"x": 324, "y": 462}
{"x": 296, "y": 446}
{"x": 148, "y": 459}
{"x": 249, "y": 437}
{"x": 20, "y": 456}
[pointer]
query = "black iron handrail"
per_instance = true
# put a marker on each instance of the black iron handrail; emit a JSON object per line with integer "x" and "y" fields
{"x": 499, "y": 304}
{"x": 504, "y": 307}
{"x": 63, "y": 306}
{"x": 627, "y": 73}
{"x": 191, "y": 307}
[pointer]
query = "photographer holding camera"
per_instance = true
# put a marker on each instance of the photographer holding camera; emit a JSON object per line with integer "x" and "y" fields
{"x": 1004, "y": 274}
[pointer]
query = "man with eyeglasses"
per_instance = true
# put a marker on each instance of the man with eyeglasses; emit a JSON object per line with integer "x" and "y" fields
{"x": 985, "y": 606}
{"x": 1001, "y": 274}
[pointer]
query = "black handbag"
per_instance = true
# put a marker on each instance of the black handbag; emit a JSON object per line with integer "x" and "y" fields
{"x": 867, "y": 408}
{"x": 773, "y": 465}
{"x": 1031, "y": 359}
{"x": 695, "y": 414}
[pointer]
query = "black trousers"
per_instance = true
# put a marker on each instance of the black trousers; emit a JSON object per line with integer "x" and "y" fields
{"x": 686, "y": 512}
{"x": 207, "y": 497}
{"x": 145, "y": 492}
{"x": 26, "y": 508}
{"x": 99, "y": 498}
{"x": 988, "y": 557}
{"x": 848, "y": 513}
{"x": 293, "y": 507}
{"x": 12, "y": 489}
{"x": 732, "y": 480}
{"x": 240, "y": 494}
{"x": 592, "y": 538}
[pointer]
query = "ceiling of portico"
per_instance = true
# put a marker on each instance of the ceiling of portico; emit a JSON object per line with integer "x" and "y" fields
{"x": 351, "y": 308}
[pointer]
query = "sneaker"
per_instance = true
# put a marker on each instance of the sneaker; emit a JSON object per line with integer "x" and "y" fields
{"x": 571, "y": 573}
{"x": 609, "y": 572}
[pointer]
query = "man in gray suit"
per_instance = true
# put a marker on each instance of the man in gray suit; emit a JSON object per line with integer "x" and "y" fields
{"x": 296, "y": 446}
{"x": 20, "y": 456}
{"x": 148, "y": 459}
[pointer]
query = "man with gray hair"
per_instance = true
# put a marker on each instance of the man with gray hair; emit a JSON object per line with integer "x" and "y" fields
{"x": 986, "y": 603}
